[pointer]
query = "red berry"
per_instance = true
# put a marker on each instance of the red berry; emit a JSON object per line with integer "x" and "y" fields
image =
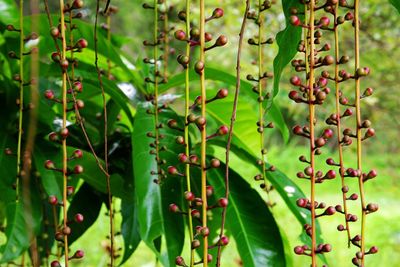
{"x": 295, "y": 80}
{"x": 222, "y": 93}
{"x": 302, "y": 202}
{"x": 79, "y": 218}
{"x": 70, "y": 190}
{"x": 172, "y": 170}
{"x": 78, "y": 86}
{"x": 78, "y": 169}
{"x": 180, "y": 35}
{"x": 173, "y": 208}
{"x": 182, "y": 157}
{"x": 298, "y": 250}
{"x": 81, "y": 43}
{"x": 49, "y": 94}
{"x": 205, "y": 231}
{"x": 223, "y": 202}
{"x": 189, "y": 196}
{"x": 64, "y": 133}
{"x": 373, "y": 250}
{"x": 195, "y": 213}
{"x": 324, "y": 21}
{"x": 331, "y": 174}
{"x": 215, "y": 163}
{"x": 78, "y": 153}
{"x": 224, "y": 240}
{"x": 79, "y": 254}
{"x": 223, "y": 130}
{"x": 209, "y": 190}
{"x": 55, "y": 32}
{"x": 221, "y": 41}
{"x": 77, "y": 4}
{"x": 64, "y": 63}
{"x": 218, "y": 12}
{"x": 53, "y": 200}
{"x": 55, "y": 264}
{"x": 295, "y": 20}
{"x": 55, "y": 57}
{"x": 48, "y": 164}
{"x": 179, "y": 261}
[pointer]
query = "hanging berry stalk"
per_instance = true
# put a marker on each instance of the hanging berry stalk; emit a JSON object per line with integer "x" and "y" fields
{"x": 359, "y": 72}
{"x": 312, "y": 93}
{"x": 260, "y": 88}
{"x": 223, "y": 239}
{"x": 105, "y": 138}
{"x": 336, "y": 119}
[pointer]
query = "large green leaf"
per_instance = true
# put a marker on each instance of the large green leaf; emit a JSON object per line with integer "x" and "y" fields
{"x": 396, "y": 4}
{"x": 250, "y": 222}
{"x": 8, "y": 11}
{"x": 242, "y": 162}
{"x": 88, "y": 203}
{"x": 247, "y": 96}
{"x": 153, "y": 199}
{"x": 23, "y": 223}
{"x": 129, "y": 227}
{"x": 287, "y": 40}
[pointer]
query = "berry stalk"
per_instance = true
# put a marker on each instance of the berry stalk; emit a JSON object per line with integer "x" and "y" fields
{"x": 233, "y": 119}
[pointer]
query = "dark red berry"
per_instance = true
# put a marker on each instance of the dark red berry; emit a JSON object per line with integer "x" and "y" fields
{"x": 173, "y": 208}
{"x": 189, "y": 196}
{"x": 223, "y": 130}
{"x": 79, "y": 254}
{"x": 48, "y": 164}
{"x": 179, "y": 261}
{"x": 53, "y": 200}
{"x": 55, "y": 264}
{"x": 221, "y": 41}
{"x": 224, "y": 241}
{"x": 295, "y": 80}
{"x": 222, "y": 93}
{"x": 295, "y": 20}
{"x": 299, "y": 250}
{"x": 223, "y": 202}
{"x": 49, "y": 94}
{"x": 172, "y": 170}
{"x": 78, "y": 153}
{"x": 78, "y": 218}
{"x": 78, "y": 169}
{"x": 81, "y": 43}
{"x": 218, "y": 12}
{"x": 180, "y": 35}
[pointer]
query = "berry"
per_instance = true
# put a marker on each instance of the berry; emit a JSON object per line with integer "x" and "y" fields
{"x": 78, "y": 169}
{"x": 302, "y": 202}
{"x": 324, "y": 21}
{"x": 330, "y": 210}
{"x": 48, "y": 164}
{"x": 223, "y": 202}
{"x": 295, "y": 20}
{"x": 78, "y": 86}
{"x": 55, "y": 32}
{"x": 64, "y": 64}
{"x": 372, "y": 207}
{"x": 79, "y": 254}
{"x": 78, "y": 153}
{"x": 218, "y": 12}
{"x": 64, "y": 133}
{"x": 189, "y": 196}
{"x": 195, "y": 213}
{"x": 222, "y": 93}
{"x": 179, "y": 261}
{"x": 172, "y": 170}
{"x": 53, "y": 200}
{"x": 180, "y": 35}
{"x": 223, "y": 130}
{"x": 205, "y": 231}
{"x": 195, "y": 244}
{"x": 55, "y": 264}
{"x": 224, "y": 241}
{"x": 66, "y": 230}
{"x": 81, "y": 43}
{"x": 295, "y": 80}
{"x": 182, "y": 157}
{"x": 299, "y": 250}
{"x": 373, "y": 250}
{"x": 199, "y": 67}
{"x": 55, "y": 57}
{"x": 49, "y": 94}
{"x": 215, "y": 163}
{"x": 70, "y": 190}
{"x": 173, "y": 208}
{"x": 172, "y": 123}
{"x": 77, "y": 4}
{"x": 221, "y": 41}
{"x": 78, "y": 218}
{"x": 209, "y": 190}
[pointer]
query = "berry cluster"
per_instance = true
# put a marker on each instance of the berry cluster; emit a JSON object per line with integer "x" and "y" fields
{"x": 260, "y": 87}
{"x": 314, "y": 92}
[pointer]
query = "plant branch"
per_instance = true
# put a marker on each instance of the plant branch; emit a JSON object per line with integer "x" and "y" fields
{"x": 233, "y": 119}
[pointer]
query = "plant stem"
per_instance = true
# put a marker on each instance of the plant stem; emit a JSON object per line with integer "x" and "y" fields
{"x": 203, "y": 132}
{"x": 358, "y": 118}
{"x": 233, "y": 119}
{"x": 166, "y": 42}
{"x": 311, "y": 111}
{"x": 64, "y": 125}
{"x": 21, "y": 94}
{"x": 109, "y": 193}
{"x": 186, "y": 132}
{"x": 339, "y": 126}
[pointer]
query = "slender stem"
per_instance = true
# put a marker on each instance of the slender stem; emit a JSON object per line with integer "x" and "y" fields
{"x": 166, "y": 42}
{"x": 339, "y": 124}
{"x": 186, "y": 132}
{"x": 21, "y": 93}
{"x": 311, "y": 126}
{"x": 203, "y": 132}
{"x": 108, "y": 22}
{"x": 64, "y": 125}
{"x": 109, "y": 193}
{"x": 359, "y": 136}
{"x": 233, "y": 119}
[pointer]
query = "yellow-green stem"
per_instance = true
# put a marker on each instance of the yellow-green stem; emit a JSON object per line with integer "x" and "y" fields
{"x": 186, "y": 133}
{"x": 358, "y": 125}
{"x": 311, "y": 126}
{"x": 203, "y": 132}
{"x": 21, "y": 94}
{"x": 339, "y": 126}
{"x": 64, "y": 125}
{"x": 166, "y": 41}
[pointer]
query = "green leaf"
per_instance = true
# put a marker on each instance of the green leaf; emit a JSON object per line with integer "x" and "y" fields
{"x": 247, "y": 96}
{"x": 129, "y": 227}
{"x": 23, "y": 223}
{"x": 88, "y": 203}
{"x": 253, "y": 227}
{"x": 152, "y": 199}
{"x": 287, "y": 40}
{"x": 243, "y": 162}
{"x": 396, "y": 4}
{"x": 8, "y": 11}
